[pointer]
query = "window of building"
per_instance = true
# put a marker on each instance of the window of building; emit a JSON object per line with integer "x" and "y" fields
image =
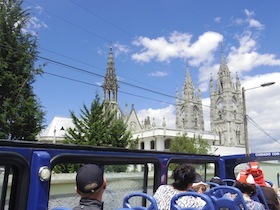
{"x": 152, "y": 144}
{"x": 167, "y": 143}
{"x": 142, "y": 145}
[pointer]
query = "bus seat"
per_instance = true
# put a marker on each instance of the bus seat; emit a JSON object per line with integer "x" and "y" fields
{"x": 212, "y": 184}
{"x": 229, "y": 202}
{"x": 127, "y": 205}
{"x": 175, "y": 206}
{"x": 229, "y": 182}
{"x": 270, "y": 183}
{"x": 259, "y": 196}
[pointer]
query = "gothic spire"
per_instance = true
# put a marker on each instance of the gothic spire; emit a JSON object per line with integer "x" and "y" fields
{"x": 223, "y": 70}
{"x": 110, "y": 86}
{"x": 188, "y": 79}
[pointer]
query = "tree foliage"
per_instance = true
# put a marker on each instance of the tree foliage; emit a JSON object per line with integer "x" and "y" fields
{"x": 98, "y": 126}
{"x": 21, "y": 115}
{"x": 189, "y": 145}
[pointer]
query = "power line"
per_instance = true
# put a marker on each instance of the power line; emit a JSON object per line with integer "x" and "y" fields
{"x": 81, "y": 28}
{"x": 261, "y": 129}
{"x": 100, "y": 86}
{"x": 105, "y": 20}
{"x": 99, "y": 75}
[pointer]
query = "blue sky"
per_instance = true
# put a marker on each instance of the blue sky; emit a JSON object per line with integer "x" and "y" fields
{"x": 152, "y": 43}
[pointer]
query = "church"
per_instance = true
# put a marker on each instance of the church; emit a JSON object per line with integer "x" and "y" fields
{"x": 226, "y": 115}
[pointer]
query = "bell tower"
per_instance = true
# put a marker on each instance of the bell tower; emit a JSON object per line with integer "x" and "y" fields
{"x": 226, "y": 116}
{"x": 189, "y": 113}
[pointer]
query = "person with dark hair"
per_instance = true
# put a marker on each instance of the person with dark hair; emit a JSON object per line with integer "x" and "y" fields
{"x": 184, "y": 176}
{"x": 269, "y": 193}
{"x": 246, "y": 184}
{"x": 90, "y": 185}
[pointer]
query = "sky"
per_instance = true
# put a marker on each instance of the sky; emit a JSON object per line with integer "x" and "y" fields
{"x": 153, "y": 44}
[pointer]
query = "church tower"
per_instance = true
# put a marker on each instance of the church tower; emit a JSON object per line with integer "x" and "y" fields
{"x": 189, "y": 114}
{"x": 226, "y": 113}
{"x": 110, "y": 85}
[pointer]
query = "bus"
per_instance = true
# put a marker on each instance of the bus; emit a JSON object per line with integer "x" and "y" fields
{"x": 38, "y": 176}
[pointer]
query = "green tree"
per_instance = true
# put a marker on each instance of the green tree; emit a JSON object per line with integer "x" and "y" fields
{"x": 98, "y": 126}
{"x": 21, "y": 114}
{"x": 189, "y": 145}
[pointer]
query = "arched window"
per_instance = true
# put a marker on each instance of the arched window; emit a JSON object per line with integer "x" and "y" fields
{"x": 220, "y": 115}
{"x": 167, "y": 143}
{"x": 234, "y": 114}
{"x": 152, "y": 144}
{"x": 142, "y": 145}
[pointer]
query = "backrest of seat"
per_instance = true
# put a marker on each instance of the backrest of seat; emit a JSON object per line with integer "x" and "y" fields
{"x": 229, "y": 182}
{"x": 259, "y": 196}
{"x": 227, "y": 198}
{"x": 212, "y": 184}
{"x": 175, "y": 206}
{"x": 128, "y": 205}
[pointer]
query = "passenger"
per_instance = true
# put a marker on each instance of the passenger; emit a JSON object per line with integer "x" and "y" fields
{"x": 246, "y": 184}
{"x": 198, "y": 185}
{"x": 216, "y": 180}
{"x": 184, "y": 176}
{"x": 90, "y": 184}
{"x": 269, "y": 193}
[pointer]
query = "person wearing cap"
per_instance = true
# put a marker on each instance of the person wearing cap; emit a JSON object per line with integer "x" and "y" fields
{"x": 216, "y": 180}
{"x": 198, "y": 185}
{"x": 246, "y": 184}
{"x": 184, "y": 175}
{"x": 90, "y": 185}
{"x": 268, "y": 191}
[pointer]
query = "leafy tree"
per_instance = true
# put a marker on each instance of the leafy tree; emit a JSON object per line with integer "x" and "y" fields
{"x": 98, "y": 126}
{"x": 189, "y": 145}
{"x": 21, "y": 115}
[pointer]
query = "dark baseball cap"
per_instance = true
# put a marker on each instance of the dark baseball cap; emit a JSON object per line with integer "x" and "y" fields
{"x": 217, "y": 180}
{"x": 89, "y": 178}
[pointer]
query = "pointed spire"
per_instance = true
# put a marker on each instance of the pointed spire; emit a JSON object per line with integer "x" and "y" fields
{"x": 110, "y": 86}
{"x": 188, "y": 78}
{"x": 223, "y": 64}
{"x": 238, "y": 84}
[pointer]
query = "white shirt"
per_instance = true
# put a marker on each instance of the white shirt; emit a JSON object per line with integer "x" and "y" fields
{"x": 164, "y": 194}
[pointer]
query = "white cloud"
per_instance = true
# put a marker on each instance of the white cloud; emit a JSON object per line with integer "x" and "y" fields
{"x": 120, "y": 49}
{"x": 158, "y": 114}
{"x": 158, "y": 74}
{"x": 253, "y": 23}
{"x": 33, "y": 25}
{"x": 178, "y": 45}
{"x": 249, "y": 21}
{"x": 217, "y": 19}
{"x": 248, "y": 13}
{"x": 245, "y": 57}
{"x": 39, "y": 9}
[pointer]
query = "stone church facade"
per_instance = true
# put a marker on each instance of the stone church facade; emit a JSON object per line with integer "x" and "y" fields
{"x": 225, "y": 115}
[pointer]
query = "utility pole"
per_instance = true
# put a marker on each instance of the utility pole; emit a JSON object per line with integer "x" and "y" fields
{"x": 246, "y": 139}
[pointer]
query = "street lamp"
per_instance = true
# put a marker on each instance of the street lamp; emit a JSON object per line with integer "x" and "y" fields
{"x": 245, "y": 115}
